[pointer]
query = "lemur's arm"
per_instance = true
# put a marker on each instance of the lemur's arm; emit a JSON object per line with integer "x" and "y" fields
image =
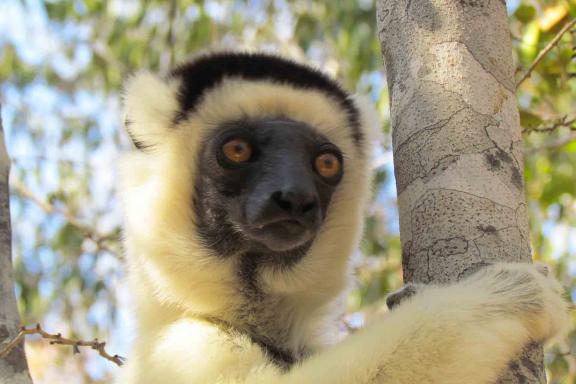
{"x": 463, "y": 333}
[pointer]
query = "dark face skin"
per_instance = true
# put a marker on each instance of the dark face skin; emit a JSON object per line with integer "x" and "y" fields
{"x": 263, "y": 187}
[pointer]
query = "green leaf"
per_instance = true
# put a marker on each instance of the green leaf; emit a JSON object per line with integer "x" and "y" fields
{"x": 525, "y": 13}
{"x": 529, "y": 43}
{"x": 570, "y": 147}
{"x": 69, "y": 241}
{"x": 529, "y": 119}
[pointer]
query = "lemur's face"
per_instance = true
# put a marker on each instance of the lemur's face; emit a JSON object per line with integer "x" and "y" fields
{"x": 264, "y": 186}
{"x": 250, "y": 175}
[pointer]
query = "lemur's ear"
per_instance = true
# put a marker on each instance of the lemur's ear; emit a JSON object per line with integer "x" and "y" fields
{"x": 150, "y": 105}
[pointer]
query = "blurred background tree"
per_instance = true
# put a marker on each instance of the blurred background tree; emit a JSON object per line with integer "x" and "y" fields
{"x": 62, "y": 64}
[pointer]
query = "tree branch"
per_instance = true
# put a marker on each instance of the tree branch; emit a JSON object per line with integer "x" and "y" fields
{"x": 545, "y": 51}
{"x": 168, "y": 55}
{"x": 99, "y": 239}
{"x": 562, "y": 122}
{"x": 553, "y": 145}
{"x": 58, "y": 339}
{"x": 452, "y": 197}
{"x": 170, "y": 36}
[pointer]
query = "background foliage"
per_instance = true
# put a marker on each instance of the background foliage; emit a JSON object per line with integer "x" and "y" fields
{"x": 61, "y": 68}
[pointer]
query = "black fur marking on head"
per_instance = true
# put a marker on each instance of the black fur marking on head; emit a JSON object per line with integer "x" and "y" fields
{"x": 207, "y": 72}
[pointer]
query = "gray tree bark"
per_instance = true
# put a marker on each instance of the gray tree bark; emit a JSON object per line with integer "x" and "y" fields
{"x": 457, "y": 143}
{"x": 13, "y": 368}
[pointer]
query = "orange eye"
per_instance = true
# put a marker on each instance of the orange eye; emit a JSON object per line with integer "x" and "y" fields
{"x": 327, "y": 165}
{"x": 237, "y": 150}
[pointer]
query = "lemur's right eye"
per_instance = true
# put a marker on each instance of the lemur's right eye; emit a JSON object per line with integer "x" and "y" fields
{"x": 237, "y": 150}
{"x": 327, "y": 165}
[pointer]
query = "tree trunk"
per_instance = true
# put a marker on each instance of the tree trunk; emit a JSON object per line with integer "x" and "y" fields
{"x": 457, "y": 143}
{"x": 13, "y": 368}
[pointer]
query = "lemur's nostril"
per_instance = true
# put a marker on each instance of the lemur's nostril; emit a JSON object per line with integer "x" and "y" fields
{"x": 281, "y": 201}
{"x": 295, "y": 203}
{"x": 309, "y": 207}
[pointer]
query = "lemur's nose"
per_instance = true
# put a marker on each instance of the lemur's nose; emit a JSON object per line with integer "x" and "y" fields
{"x": 287, "y": 195}
{"x": 295, "y": 202}
{"x": 295, "y": 205}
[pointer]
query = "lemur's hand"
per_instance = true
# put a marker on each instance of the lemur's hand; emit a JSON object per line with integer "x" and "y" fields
{"x": 525, "y": 291}
{"x": 408, "y": 290}
{"x": 400, "y": 295}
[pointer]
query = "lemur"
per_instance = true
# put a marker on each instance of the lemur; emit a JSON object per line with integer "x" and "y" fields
{"x": 243, "y": 201}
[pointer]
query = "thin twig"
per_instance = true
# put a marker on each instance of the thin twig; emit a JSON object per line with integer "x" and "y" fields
{"x": 99, "y": 239}
{"x": 553, "y": 145}
{"x": 170, "y": 41}
{"x": 564, "y": 121}
{"x": 58, "y": 339}
{"x": 547, "y": 49}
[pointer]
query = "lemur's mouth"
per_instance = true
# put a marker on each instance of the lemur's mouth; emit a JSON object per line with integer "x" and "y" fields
{"x": 282, "y": 223}
{"x": 281, "y": 235}
{"x": 289, "y": 227}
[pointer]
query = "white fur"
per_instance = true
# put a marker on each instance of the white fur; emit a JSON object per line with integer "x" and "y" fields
{"x": 441, "y": 335}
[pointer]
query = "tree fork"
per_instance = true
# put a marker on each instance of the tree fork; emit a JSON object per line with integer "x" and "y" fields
{"x": 457, "y": 143}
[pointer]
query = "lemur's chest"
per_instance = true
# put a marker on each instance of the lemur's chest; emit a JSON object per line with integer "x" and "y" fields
{"x": 267, "y": 323}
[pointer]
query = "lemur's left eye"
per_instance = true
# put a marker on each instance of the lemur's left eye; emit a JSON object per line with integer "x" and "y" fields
{"x": 328, "y": 165}
{"x": 237, "y": 150}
